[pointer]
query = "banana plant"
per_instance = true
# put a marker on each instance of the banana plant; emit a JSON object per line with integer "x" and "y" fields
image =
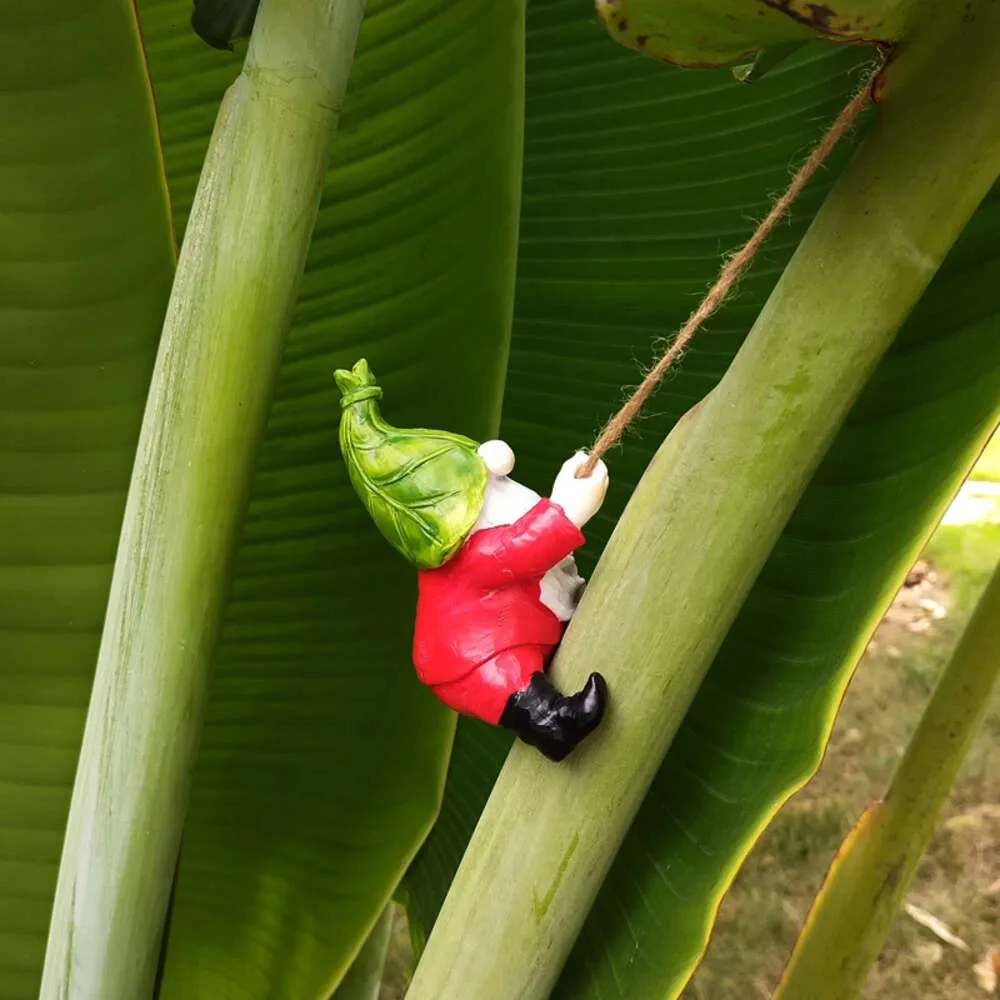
{"x": 873, "y": 868}
{"x": 514, "y": 210}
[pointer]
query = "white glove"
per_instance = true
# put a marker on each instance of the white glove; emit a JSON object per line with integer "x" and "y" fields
{"x": 580, "y": 499}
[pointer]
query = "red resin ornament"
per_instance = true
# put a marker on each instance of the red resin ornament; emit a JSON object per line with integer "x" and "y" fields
{"x": 495, "y": 596}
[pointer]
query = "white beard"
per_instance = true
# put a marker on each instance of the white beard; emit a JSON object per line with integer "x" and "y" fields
{"x": 506, "y": 501}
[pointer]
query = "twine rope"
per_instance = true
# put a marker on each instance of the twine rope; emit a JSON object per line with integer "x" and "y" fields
{"x": 728, "y": 276}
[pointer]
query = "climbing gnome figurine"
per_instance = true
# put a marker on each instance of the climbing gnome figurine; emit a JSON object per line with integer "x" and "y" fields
{"x": 497, "y": 580}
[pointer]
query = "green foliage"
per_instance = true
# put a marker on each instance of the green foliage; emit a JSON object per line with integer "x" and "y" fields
{"x": 83, "y": 285}
{"x": 322, "y": 758}
{"x": 988, "y": 467}
{"x": 705, "y": 33}
{"x": 763, "y": 912}
{"x": 222, "y": 22}
{"x": 424, "y": 489}
{"x": 236, "y": 284}
{"x": 757, "y": 727}
{"x": 969, "y": 552}
{"x": 364, "y": 978}
{"x": 722, "y": 477}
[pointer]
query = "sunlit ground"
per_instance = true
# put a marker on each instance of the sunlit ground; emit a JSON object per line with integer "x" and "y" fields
{"x": 978, "y": 503}
{"x": 958, "y": 881}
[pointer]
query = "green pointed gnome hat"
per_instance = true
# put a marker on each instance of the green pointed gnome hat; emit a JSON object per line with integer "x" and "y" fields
{"x": 424, "y": 489}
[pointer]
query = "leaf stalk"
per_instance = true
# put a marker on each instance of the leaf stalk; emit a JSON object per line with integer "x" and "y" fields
{"x": 229, "y": 311}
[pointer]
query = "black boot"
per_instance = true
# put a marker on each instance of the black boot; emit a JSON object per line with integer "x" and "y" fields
{"x": 555, "y": 723}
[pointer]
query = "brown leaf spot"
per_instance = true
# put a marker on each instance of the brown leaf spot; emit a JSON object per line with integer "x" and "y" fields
{"x": 816, "y": 15}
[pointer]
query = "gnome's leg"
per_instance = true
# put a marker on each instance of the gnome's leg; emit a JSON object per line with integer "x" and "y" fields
{"x": 555, "y": 723}
{"x": 512, "y": 690}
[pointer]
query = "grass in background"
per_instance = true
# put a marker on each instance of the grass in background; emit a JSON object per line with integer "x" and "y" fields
{"x": 958, "y": 880}
{"x": 988, "y": 467}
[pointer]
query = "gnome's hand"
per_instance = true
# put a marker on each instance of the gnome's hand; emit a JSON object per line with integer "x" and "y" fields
{"x": 580, "y": 499}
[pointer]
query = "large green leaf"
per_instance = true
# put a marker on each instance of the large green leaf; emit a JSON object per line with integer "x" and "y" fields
{"x": 323, "y": 758}
{"x": 622, "y": 227}
{"x": 84, "y": 279}
{"x": 322, "y": 754}
{"x": 757, "y": 729}
{"x": 222, "y": 22}
{"x": 599, "y": 277}
{"x": 230, "y": 308}
{"x": 707, "y": 33}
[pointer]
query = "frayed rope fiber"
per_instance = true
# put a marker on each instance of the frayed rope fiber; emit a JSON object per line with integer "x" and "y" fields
{"x": 728, "y": 276}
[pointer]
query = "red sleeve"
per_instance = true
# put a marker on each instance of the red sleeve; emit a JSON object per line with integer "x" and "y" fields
{"x": 531, "y": 545}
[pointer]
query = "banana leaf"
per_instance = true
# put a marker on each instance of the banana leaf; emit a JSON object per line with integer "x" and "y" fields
{"x": 596, "y": 276}
{"x": 87, "y": 264}
{"x": 323, "y": 757}
{"x": 699, "y": 34}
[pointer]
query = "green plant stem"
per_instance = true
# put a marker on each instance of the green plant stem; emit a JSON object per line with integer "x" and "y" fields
{"x": 230, "y": 308}
{"x": 363, "y": 979}
{"x": 709, "y": 508}
{"x": 869, "y": 877}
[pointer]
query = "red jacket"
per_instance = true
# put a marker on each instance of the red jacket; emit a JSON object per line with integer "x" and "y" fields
{"x": 486, "y": 598}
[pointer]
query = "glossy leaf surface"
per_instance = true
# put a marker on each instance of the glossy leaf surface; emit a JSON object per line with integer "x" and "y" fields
{"x": 323, "y": 757}
{"x": 223, "y": 335}
{"x": 637, "y": 178}
{"x": 84, "y": 278}
{"x": 322, "y": 760}
{"x": 599, "y": 278}
{"x": 705, "y": 33}
{"x": 222, "y": 22}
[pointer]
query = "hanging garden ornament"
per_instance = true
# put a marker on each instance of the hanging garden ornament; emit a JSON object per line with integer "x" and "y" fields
{"x": 497, "y": 579}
